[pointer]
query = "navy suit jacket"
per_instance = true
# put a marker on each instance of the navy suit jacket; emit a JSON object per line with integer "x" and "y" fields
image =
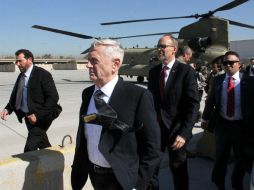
{"x": 179, "y": 106}
{"x": 42, "y": 97}
{"x": 133, "y": 155}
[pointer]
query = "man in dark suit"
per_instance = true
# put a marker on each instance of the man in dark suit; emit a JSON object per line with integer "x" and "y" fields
{"x": 250, "y": 68}
{"x": 34, "y": 98}
{"x": 115, "y": 158}
{"x": 175, "y": 91}
{"x": 231, "y": 98}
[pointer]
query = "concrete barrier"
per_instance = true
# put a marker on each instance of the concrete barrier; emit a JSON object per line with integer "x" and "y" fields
{"x": 65, "y": 66}
{"x": 45, "y": 66}
{"x": 81, "y": 66}
{"x": 10, "y": 67}
{"x": 47, "y": 169}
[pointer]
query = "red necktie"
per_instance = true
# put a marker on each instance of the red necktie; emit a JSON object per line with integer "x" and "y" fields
{"x": 231, "y": 97}
{"x": 162, "y": 79}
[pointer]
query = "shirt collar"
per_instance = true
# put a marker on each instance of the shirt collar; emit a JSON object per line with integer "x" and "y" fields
{"x": 28, "y": 71}
{"x": 236, "y": 76}
{"x": 170, "y": 64}
{"x": 108, "y": 88}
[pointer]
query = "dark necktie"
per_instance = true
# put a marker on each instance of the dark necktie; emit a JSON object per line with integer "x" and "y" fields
{"x": 231, "y": 97}
{"x": 162, "y": 79}
{"x": 101, "y": 106}
{"x": 19, "y": 93}
{"x": 106, "y": 115}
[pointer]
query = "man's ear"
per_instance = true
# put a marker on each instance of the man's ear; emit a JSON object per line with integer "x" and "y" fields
{"x": 30, "y": 60}
{"x": 116, "y": 64}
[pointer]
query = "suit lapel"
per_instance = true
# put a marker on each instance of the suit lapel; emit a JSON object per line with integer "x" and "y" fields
{"x": 243, "y": 89}
{"x": 87, "y": 98}
{"x": 171, "y": 77}
{"x": 219, "y": 89}
{"x": 116, "y": 95}
{"x": 31, "y": 76}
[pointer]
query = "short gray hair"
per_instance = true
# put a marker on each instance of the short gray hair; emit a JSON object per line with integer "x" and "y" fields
{"x": 112, "y": 48}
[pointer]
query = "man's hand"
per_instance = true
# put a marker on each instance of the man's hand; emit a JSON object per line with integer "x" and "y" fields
{"x": 32, "y": 119}
{"x": 4, "y": 114}
{"x": 179, "y": 142}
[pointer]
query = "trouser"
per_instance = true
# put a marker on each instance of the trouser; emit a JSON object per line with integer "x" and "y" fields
{"x": 37, "y": 137}
{"x": 177, "y": 163}
{"x": 179, "y": 168}
{"x": 103, "y": 178}
{"x": 227, "y": 136}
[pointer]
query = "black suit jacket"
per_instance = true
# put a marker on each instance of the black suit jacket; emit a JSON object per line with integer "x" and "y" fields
{"x": 247, "y": 100}
{"x": 179, "y": 107}
{"x": 42, "y": 97}
{"x": 247, "y": 104}
{"x": 247, "y": 70}
{"x": 134, "y": 154}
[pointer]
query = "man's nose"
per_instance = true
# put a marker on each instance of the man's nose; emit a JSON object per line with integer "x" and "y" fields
{"x": 89, "y": 64}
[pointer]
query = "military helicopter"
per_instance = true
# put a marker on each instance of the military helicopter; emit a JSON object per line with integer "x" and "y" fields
{"x": 208, "y": 38}
{"x": 137, "y": 61}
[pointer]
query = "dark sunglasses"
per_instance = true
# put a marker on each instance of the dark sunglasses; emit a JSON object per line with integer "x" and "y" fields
{"x": 231, "y": 63}
{"x": 163, "y": 46}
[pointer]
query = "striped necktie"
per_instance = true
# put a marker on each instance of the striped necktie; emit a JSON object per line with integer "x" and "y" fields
{"x": 19, "y": 94}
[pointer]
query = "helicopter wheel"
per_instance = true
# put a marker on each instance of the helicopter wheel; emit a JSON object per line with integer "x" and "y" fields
{"x": 140, "y": 79}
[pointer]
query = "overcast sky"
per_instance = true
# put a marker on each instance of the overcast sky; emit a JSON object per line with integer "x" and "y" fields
{"x": 83, "y": 16}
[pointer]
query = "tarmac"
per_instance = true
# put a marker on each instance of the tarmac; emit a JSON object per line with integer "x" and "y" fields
{"x": 70, "y": 84}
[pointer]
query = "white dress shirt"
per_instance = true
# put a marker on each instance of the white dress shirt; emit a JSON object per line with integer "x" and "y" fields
{"x": 237, "y": 96}
{"x": 169, "y": 66}
{"x": 93, "y": 131}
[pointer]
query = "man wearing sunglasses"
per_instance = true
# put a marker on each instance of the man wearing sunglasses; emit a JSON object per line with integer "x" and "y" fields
{"x": 175, "y": 91}
{"x": 231, "y": 96}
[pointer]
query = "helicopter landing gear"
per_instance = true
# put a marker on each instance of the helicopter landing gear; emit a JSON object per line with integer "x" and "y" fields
{"x": 140, "y": 79}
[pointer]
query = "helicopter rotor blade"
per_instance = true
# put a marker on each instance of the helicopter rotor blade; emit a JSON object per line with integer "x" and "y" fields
{"x": 227, "y": 6}
{"x": 64, "y": 32}
{"x": 145, "y": 20}
{"x": 134, "y": 36}
{"x": 230, "y": 5}
{"x": 86, "y": 51}
{"x": 240, "y": 24}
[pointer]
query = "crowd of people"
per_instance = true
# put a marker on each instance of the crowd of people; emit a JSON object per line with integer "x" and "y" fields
{"x": 124, "y": 129}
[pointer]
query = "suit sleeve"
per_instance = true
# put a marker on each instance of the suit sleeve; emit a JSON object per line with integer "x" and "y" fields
{"x": 148, "y": 138}
{"x": 210, "y": 101}
{"x": 10, "y": 105}
{"x": 51, "y": 97}
{"x": 79, "y": 172}
{"x": 189, "y": 104}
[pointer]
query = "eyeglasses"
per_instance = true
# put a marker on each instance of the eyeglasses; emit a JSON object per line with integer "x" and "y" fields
{"x": 231, "y": 63}
{"x": 19, "y": 60}
{"x": 163, "y": 46}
